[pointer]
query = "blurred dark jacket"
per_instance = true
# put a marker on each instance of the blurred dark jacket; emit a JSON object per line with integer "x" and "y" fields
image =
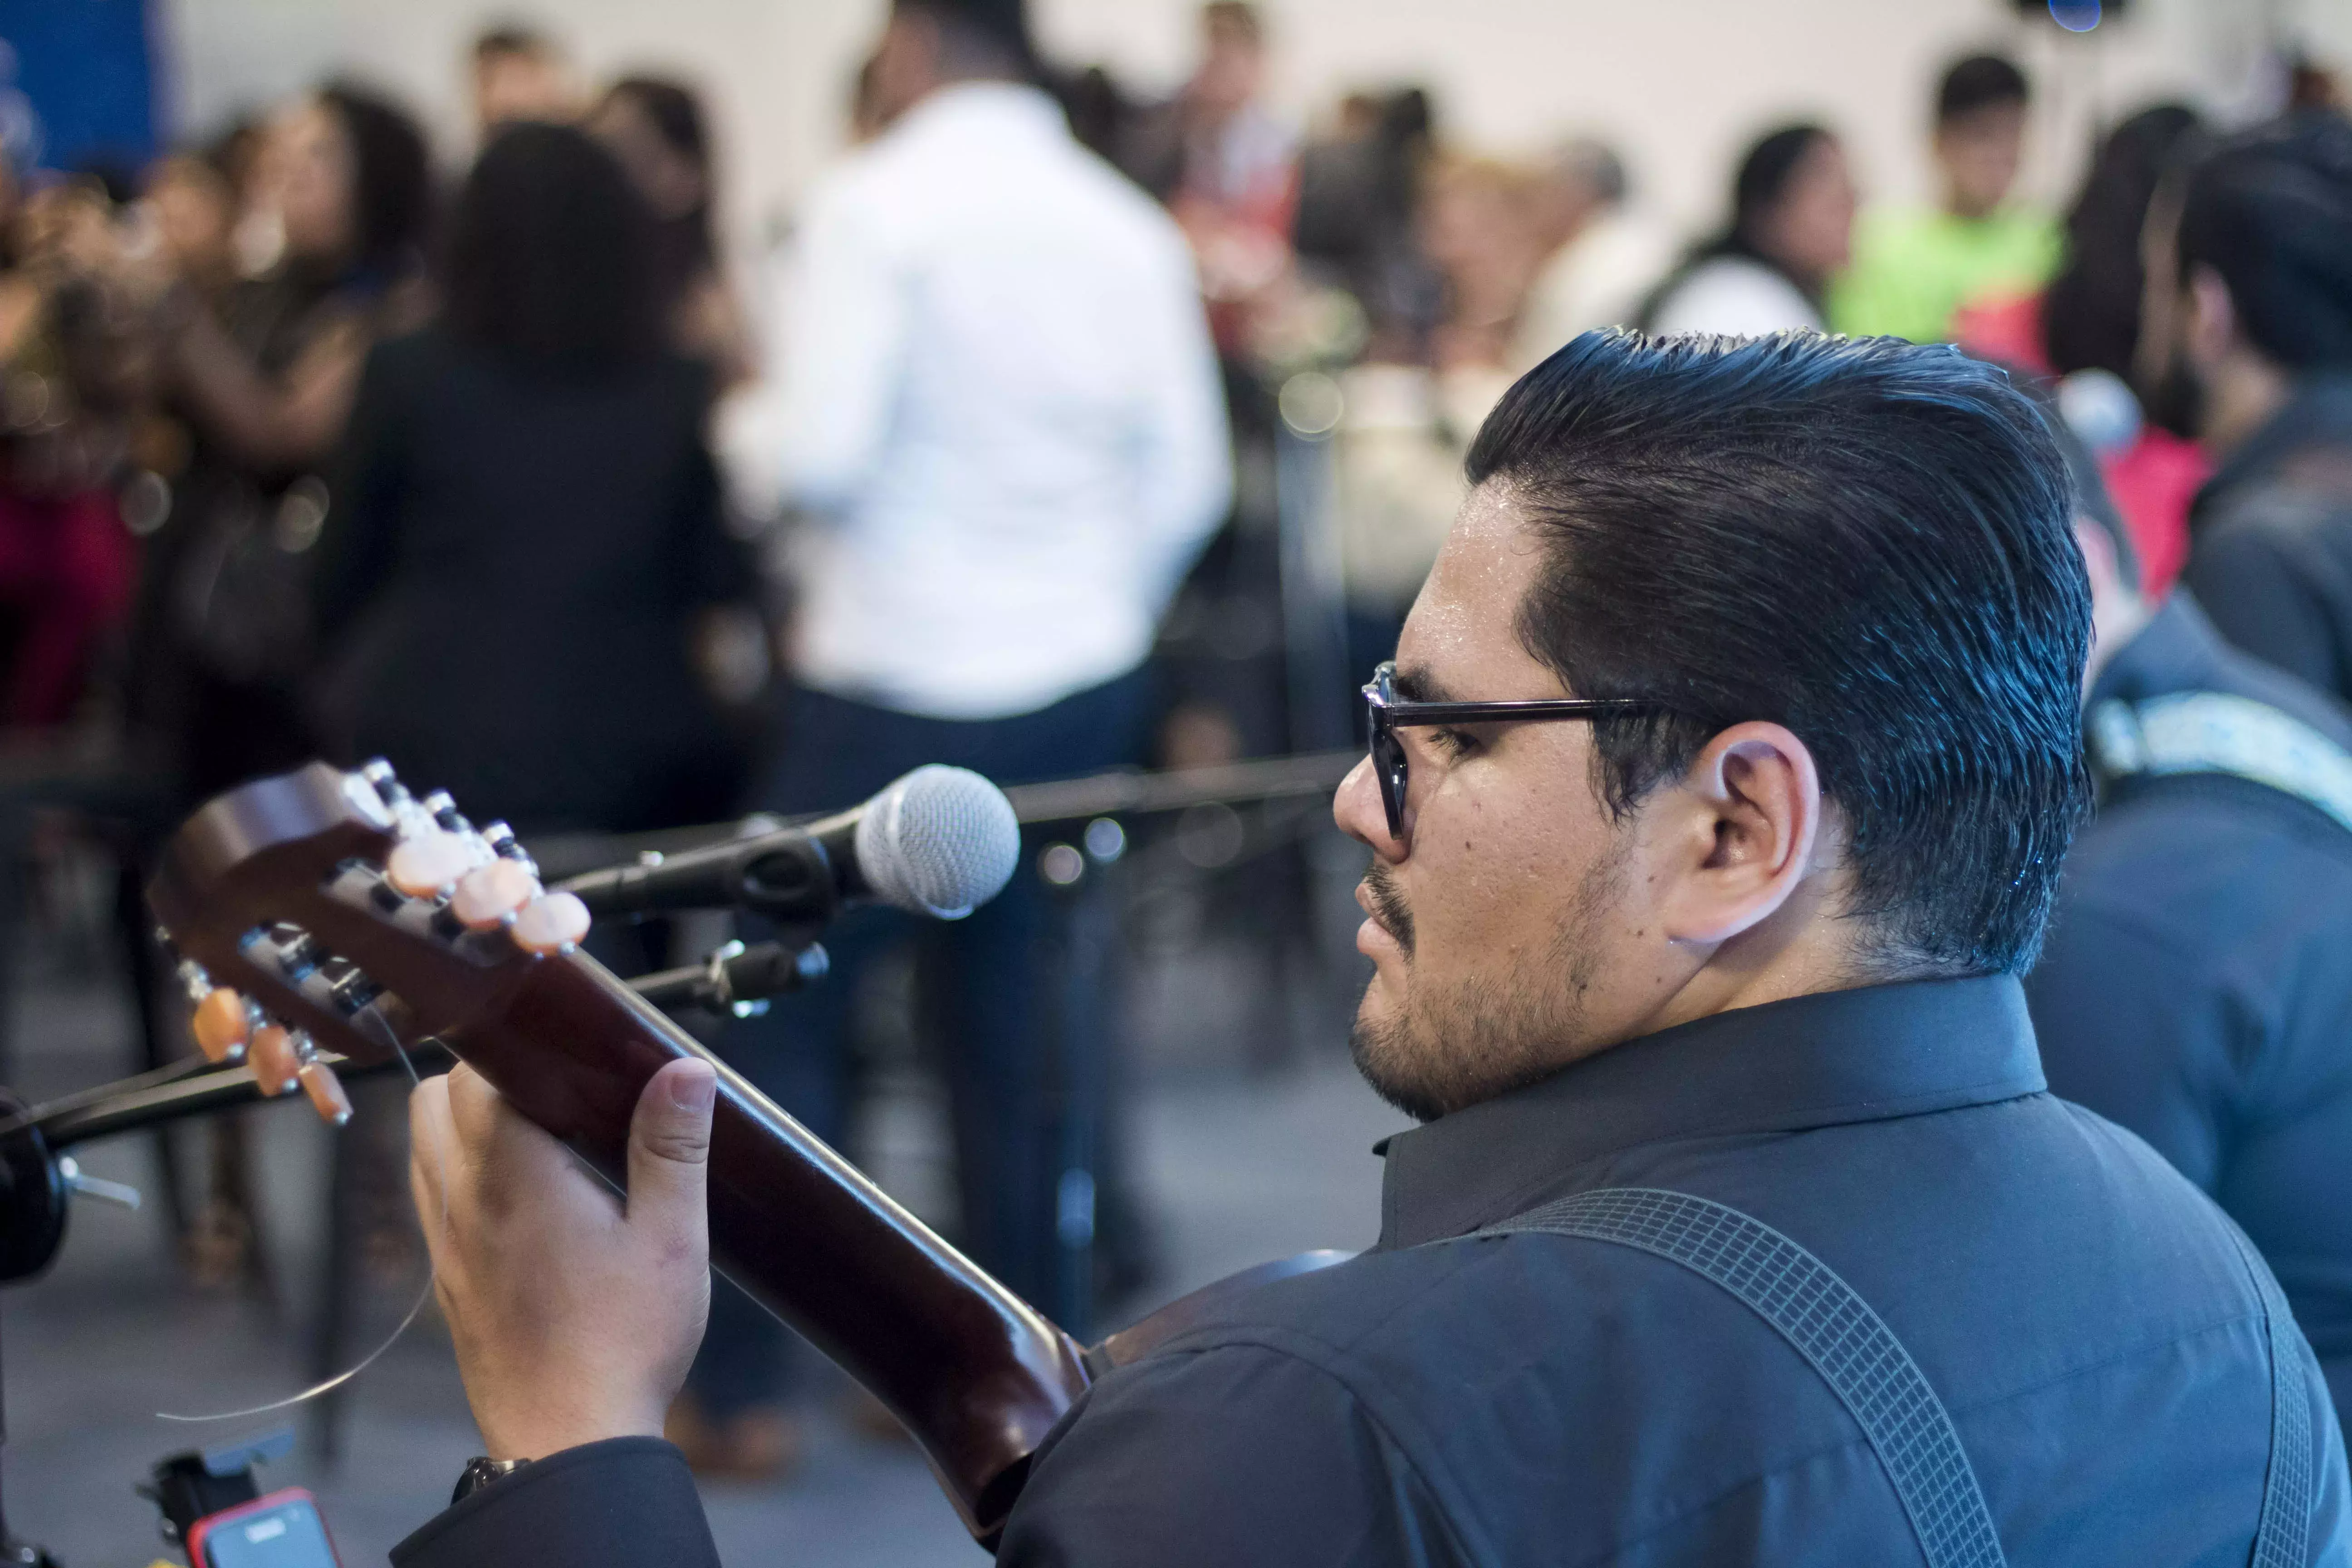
{"x": 2197, "y": 983}
{"x": 508, "y": 585}
{"x": 2270, "y": 554}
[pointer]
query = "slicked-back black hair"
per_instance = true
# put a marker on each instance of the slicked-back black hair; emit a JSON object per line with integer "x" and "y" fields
{"x": 1867, "y": 542}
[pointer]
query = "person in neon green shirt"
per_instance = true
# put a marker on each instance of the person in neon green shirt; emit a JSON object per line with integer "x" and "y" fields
{"x": 1913, "y": 270}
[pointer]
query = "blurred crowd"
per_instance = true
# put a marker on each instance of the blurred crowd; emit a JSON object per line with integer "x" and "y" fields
{"x": 310, "y": 445}
{"x": 195, "y": 536}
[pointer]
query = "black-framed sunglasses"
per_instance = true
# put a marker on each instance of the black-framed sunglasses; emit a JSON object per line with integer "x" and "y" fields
{"x": 1386, "y": 715}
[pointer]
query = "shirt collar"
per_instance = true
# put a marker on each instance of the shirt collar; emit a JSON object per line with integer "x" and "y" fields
{"x": 1823, "y": 1060}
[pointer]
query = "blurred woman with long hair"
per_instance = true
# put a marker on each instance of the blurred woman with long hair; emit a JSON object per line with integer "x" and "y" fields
{"x": 1792, "y": 207}
{"x": 528, "y": 520}
{"x": 261, "y": 336}
{"x": 657, "y": 130}
{"x": 261, "y": 376}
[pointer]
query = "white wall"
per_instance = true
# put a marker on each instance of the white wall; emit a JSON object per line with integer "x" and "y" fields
{"x": 1679, "y": 84}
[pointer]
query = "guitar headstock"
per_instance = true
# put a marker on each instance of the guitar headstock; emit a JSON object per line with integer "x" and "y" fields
{"x": 322, "y": 910}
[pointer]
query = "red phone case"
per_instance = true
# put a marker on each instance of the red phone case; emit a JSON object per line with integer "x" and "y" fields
{"x": 202, "y": 1528}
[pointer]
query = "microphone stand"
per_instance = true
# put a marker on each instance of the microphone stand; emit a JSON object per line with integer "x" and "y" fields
{"x": 1121, "y": 791}
{"x": 14, "y": 1553}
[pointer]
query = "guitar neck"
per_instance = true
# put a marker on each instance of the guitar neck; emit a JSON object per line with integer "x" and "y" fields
{"x": 976, "y": 1374}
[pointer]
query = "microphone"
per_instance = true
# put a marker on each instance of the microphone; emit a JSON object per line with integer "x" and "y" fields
{"x": 940, "y": 841}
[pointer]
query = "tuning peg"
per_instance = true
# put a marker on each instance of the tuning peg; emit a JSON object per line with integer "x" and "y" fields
{"x": 353, "y": 991}
{"x": 388, "y": 787}
{"x": 277, "y": 1064}
{"x": 428, "y": 863}
{"x": 193, "y": 980}
{"x": 553, "y": 923}
{"x": 502, "y": 843}
{"x": 326, "y": 1091}
{"x": 491, "y": 895}
{"x": 222, "y": 1024}
{"x": 443, "y": 809}
{"x": 300, "y": 956}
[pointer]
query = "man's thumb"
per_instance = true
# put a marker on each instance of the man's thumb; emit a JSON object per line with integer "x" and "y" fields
{"x": 670, "y": 1145}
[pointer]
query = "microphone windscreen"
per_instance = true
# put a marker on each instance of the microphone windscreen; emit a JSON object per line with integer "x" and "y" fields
{"x": 940, "y": 841}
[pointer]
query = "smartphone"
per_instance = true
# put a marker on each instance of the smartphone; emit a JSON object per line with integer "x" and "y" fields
{"x": 281, "y": 1529}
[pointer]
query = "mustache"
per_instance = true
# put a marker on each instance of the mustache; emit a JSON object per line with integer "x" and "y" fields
{"x": 1388, "y": 906}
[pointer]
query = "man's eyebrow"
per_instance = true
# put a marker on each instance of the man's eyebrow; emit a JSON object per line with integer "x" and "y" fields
{"x": 1418, "y": 685}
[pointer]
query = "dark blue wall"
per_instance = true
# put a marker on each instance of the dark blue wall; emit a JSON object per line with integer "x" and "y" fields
{"x": 86, "y": 68}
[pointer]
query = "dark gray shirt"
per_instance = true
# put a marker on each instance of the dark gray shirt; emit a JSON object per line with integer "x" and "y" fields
{"x": 2081, "y": 1309}
{"x": 2270, "y": 554}
{"x": 2197, "y": 984}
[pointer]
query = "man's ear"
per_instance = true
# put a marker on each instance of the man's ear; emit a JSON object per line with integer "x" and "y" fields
{"x": 1745, "y": 820}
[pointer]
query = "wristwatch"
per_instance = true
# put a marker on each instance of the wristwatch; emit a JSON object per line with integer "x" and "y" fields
{"x": 480, "y": 1472}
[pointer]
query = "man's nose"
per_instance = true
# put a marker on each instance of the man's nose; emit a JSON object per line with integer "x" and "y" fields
{"x": 1358, "y": 811}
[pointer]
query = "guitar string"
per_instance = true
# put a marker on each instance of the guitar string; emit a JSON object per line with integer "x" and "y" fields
{"x": 416, "y": 1307}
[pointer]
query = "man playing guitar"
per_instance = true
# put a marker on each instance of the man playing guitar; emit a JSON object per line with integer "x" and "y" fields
{"x": 1717, "y": 799}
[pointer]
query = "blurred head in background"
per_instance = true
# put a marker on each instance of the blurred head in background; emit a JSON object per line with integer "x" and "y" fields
{"x": 195, "y": 199}
{"x": 349, "y": 179}
{"x": 2249, "y": 265}
{"x": 1232, "y": 72}
{"x": 1792, "y": 205}
{"x": 1980, "y": 132}
{"x": 930, "y": 44}
{"x": 1583, "y": 179}
{"x": 656, "y": 129}
{"x": 1478, "y": 228}
{"x": 550, "y": 265}
{"x": 2090, "y": 316}
{"x": 520, "y": 74}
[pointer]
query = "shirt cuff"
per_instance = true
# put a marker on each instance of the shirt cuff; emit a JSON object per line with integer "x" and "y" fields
{"x": 624, "y": 1500}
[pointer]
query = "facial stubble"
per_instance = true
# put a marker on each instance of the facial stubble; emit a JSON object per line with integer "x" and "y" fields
{"x": 1441, "y": 1049}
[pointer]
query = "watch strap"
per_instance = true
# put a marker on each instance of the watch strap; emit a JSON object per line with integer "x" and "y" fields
{"x": 480, "y": 1472}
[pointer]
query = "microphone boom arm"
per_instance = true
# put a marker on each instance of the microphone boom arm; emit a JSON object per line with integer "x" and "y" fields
{"x": 786, "y": 875}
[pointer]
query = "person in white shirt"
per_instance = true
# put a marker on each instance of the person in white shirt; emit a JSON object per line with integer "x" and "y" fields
{"x": 999, "y": 414}
{"x": 1606, "y": 256}
{"x": 1792, "y": 229}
